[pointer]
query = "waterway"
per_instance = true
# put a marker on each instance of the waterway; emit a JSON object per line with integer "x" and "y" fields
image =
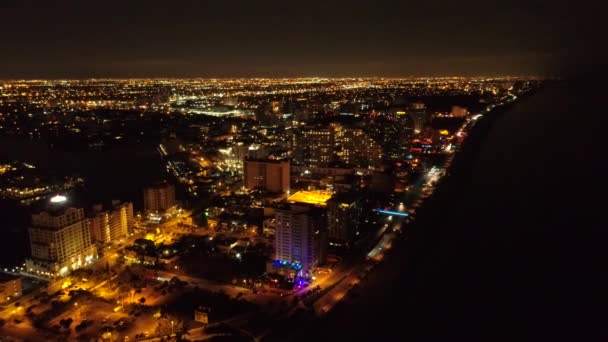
{"x": 113, "y": 173}
{"x": 109, "y": 174}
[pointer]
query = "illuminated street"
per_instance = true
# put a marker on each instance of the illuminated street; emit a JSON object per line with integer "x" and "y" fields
{"x": 284, "y": 171}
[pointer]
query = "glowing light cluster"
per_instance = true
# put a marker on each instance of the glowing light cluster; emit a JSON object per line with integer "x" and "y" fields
{"x": 293, "y": 264}
{"x": 317, "y": 197}
{"x": 58, "y": 199}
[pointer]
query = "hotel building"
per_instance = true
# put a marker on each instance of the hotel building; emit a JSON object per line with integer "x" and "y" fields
{"x": 60, "y": 239}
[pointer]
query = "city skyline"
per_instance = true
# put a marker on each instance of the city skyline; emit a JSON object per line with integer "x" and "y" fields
{"x": 336, "y": 170}
{"x": 260, "y": 188}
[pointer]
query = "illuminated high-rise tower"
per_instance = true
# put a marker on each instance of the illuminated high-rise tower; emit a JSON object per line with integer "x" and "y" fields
{"x": 418, "y": 113}
{"x": 112, "y": 224}
{"x": 300, "y": 233}
{"x": 60, "y": 239}
{"x": 355, "y": 148}
{"x": 314, "y": 146}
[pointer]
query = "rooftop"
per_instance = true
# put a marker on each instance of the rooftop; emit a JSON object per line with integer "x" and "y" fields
{"x": 57, "y": 204}
{"x": 316, "y": 197}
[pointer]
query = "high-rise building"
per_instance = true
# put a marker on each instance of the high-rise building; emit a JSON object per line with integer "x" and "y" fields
{"x": 355, "y": 148}
{"x": 324, "y": 146}
{"x": 391, "y": 134}
{"x": 300, "y": 233}
{"x": 159, "y": 197}
{"x": 298, "y": 237}
{"x": 112, "y": 224}
{"x": 313, "y": 146}
{"x": 267, "y": 175}
{"x": 60, "y": 239}
{"x": 344, "y": 211}
{"x": 418, "y": 113}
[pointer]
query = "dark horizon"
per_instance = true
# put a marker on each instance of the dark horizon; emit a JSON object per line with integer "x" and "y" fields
{"x": 111, "y": 39}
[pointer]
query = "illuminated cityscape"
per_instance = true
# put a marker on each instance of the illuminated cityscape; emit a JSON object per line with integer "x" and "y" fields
{"x": 269, "y": 186}
{"x": 296, "y": 171}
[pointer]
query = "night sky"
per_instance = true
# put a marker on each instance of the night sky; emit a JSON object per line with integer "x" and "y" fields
{"x": 132, "y": 38}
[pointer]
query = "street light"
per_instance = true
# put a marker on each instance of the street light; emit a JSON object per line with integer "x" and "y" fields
{"x": 171, "y": 327}
{"x": 77, "y": 310}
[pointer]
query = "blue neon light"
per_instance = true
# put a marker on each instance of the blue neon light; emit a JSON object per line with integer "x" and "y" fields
{"x": 293, "y": 264}
{"x": 398, "y": 213}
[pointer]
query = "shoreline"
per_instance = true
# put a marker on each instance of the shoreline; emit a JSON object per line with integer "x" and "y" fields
{"x": 406, "y": 255}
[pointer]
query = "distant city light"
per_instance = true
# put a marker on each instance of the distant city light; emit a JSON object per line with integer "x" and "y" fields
{"x": 58, "y": 199}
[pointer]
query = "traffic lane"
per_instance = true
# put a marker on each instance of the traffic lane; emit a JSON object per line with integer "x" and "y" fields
{"x": 336, "y": 294}
{"x": 344, "y": 278}
{"x": 352, "y": 278}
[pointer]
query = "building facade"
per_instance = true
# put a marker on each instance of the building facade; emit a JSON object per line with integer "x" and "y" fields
{"x": 60, "y": 241}
{"x": 267, "y": 175}
{"x": 112, "y": 224}
{"x": 10, "y": 287}
{"x": 159, "y": 197}
{"x": 336, "y": 144}
{"x": 301, "y": 231}
{"x": 313, "y": 146}
{"x": 355, "y": 148}
{"x": 299, "y": 238}
{"x": 233, "y": 156}
{"x": 418, "y": 112}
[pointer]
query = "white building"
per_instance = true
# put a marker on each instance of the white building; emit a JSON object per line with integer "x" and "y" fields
{"x": 299, "y": 238}
{"x": 60, "y": 240}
